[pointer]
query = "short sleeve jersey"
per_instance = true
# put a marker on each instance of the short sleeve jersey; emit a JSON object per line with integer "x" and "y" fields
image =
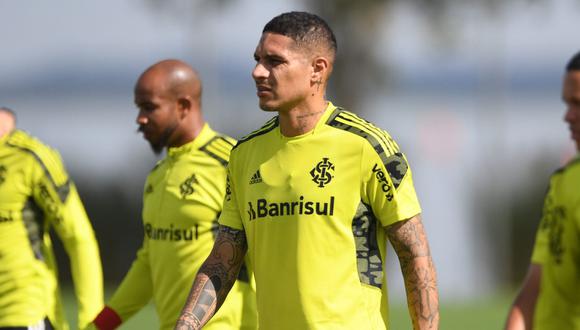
{"x": 314, "y": 208}
{"x": 36, "y": 195}
{"x": 182, "y": 200}
{"x": 557, "y": 249}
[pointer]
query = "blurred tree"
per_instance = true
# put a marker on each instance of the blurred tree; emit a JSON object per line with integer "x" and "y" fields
{"x": 509, "y": 214}
{"x": 362, "y": 68}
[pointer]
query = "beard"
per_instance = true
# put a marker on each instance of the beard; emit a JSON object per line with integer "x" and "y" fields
{"x": 158, "y": 145}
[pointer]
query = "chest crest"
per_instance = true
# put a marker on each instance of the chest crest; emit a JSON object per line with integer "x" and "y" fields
{"x": 186, "y": 188}
{"x": 323, "y": 172}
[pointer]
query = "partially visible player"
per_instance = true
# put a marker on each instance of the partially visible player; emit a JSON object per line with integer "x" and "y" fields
{"x": 7, "y": 121}
{"x": 36, "y": 195}
{"x": 312, "y": 198}
{"x": 550, "y": 295}
{"x": 182, "y": 200}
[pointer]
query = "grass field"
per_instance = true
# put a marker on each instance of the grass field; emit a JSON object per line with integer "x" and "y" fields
{"x": 481, "y": 314}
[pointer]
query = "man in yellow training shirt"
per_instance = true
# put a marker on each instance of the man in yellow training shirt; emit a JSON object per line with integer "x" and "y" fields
{"x": 550, "y": 295}
{"x": 36, "y": 195}
{"x": 182, "y": 199}
{"x": 312, "y": 197}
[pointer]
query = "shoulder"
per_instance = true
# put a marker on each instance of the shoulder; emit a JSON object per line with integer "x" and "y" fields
{"x": 219, "y": 147}
{"x": 375, "y": 140}
{"x": 48, "y": 158}
{"x": 568, "y": 174}
{"x": 572, "y": 168}
{"x": 158, "y": 165}
{"x": 373, "y": 136}
{"x": 267, "y": 127}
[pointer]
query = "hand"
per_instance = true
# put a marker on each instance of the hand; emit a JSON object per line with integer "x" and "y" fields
{"x": 107, "y": 319}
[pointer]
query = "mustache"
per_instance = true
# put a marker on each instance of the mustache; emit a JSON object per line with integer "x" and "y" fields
{"x": 140, "y": 129}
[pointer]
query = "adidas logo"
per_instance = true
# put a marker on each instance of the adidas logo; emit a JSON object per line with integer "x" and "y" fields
{"x": 256, "y": 178}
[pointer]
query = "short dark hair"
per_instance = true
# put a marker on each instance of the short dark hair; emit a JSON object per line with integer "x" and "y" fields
{"x": 304, "y": 28}
{"x": 574, "y": 64}
{"x": 9, "y": 111}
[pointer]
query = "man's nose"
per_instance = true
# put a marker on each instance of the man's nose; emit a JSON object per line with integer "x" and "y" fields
{"x": 141, "y": 119}
{"x": 259, "y": 72}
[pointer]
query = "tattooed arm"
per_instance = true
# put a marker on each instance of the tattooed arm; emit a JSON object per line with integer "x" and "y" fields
{"x": 410, "y": 243}
{"x": 214, "y": 279}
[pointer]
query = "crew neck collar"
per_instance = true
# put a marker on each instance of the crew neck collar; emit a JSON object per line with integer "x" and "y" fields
{"x": 202, "y": 138}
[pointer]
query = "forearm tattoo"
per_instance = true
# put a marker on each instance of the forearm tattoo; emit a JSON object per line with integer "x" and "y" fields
{"x": 188, "y": 321}
{"x": 410, "y": 243}
{"x": 214, "y": 279}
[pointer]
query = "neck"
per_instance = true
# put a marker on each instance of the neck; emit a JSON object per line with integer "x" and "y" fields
{"x": 301, "y": 119}
{"x": 189, "y": 133}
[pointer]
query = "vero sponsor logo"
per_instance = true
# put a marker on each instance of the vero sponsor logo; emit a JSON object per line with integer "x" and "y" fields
{"x": 385, "y": 186}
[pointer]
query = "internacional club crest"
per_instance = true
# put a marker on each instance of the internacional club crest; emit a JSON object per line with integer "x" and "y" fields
{"x": 323, "y": 172}
{"x": 186, "y": 188}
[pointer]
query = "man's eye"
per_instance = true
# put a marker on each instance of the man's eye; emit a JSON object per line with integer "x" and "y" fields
{"x": 147, "y": 107}
{"x": 275, "y": 61}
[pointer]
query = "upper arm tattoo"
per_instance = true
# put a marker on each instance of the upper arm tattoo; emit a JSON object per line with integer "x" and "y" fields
{"x": 409, "y": 240}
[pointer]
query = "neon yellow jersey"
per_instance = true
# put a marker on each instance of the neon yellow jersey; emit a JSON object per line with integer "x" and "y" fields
{"x": 36, "y": 195}
{"x": 182, "y": 200}
{"x": 557, "y": 249}
{"x": 314, "y": 208}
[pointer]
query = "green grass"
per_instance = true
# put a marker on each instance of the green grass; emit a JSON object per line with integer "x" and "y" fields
{"x": 145, "y": 319}
{"x": 475, "y": 314}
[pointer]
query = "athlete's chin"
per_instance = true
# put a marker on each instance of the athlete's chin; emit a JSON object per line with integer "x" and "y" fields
{"x": 267, "y": 106}
{"x": 156, "y": 146}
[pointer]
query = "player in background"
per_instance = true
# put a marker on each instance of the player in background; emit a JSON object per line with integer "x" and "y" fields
{"x": 312, "y": 197}
{"x": 36, "y": 195}
{"x": 550, "y": 295}
{"x": 182, "y": 199}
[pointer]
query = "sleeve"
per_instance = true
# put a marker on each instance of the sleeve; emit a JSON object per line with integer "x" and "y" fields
{"x": 541, "y": 249}
{"x": 387, "y": 185}
{"x": 230, "y": 215}
{"x": 59, "y": 199}
{"x": 136, "y": 289}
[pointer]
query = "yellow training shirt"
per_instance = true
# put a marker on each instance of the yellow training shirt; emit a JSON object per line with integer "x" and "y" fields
{"x": 557, "y": 249}
{"x": 182, "y": 200}
{"x": 314, "y": 208}
{"x": 36, "y": 194}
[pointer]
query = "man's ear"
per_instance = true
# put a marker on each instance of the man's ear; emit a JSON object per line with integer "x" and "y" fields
{"x": 184, "y": 106}
{"x": 320, "y": 66}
